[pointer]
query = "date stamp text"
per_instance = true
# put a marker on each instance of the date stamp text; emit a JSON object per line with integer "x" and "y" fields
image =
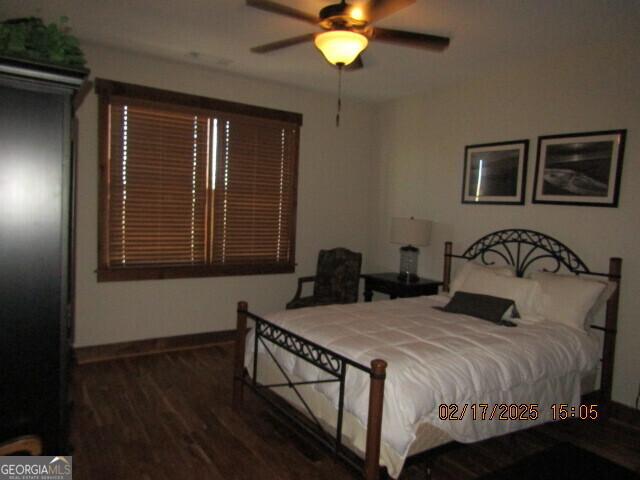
{"x": 514, "y": 411}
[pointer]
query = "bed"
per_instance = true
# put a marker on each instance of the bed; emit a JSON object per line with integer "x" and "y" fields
{"x": 430, "y": 372}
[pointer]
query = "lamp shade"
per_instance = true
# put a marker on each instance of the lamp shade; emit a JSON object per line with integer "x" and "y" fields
{"x": 341, "y": 46}
{"x": 410, "y": 231}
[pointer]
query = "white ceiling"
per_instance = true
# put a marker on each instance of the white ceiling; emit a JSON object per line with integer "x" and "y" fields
{"x": 484, "y": 34}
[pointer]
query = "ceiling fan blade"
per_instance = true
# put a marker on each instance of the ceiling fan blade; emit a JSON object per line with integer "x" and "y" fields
{"x": 375, "y": 10}
{"x": 287, "y": 42}
{"x": 280, "y": 9}
{"x": 410, "y": 39}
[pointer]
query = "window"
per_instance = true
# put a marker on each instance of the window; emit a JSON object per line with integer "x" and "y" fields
{"x": 192, "y": 186}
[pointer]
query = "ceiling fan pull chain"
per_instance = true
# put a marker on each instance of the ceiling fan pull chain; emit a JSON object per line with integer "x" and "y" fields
{"x": 339, "y": 94}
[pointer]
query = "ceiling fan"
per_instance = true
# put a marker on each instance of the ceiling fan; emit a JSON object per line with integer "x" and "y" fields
{"x": 348, "y": 30}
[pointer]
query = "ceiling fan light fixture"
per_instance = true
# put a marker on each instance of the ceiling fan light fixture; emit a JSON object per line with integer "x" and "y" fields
{"x": 341, "y": 46}
{"x": 357, "y": 13}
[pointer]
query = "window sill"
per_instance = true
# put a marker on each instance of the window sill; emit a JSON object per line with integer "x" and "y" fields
{"x": 168, "y": 272}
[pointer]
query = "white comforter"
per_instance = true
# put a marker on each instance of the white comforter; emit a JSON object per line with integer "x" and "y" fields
{"x": 438, "y": 358}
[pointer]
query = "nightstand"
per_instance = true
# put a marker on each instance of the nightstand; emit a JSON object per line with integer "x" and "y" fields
{"x": 390, "y": 284}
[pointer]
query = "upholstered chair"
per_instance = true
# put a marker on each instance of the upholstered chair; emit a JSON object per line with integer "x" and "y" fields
{"x": 336, "y": 280}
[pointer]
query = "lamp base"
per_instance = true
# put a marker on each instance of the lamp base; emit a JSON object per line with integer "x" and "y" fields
{"x": 408, "y": 264}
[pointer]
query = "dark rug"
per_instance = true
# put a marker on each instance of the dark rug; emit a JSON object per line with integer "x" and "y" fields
{"x": 563, "y": 461}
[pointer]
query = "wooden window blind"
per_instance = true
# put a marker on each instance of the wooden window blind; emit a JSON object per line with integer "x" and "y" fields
{"x": 158, "y": 185}
{"x": 193, "y": 186}
{"x": 254, "y": 191}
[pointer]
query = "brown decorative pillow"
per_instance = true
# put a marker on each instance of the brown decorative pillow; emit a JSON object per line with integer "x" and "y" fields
{"x": 485, "y": 307}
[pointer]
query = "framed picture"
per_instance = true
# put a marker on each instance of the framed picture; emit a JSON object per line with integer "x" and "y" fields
{"x": 579, "y": 168}
{"x": 495, "y": 173}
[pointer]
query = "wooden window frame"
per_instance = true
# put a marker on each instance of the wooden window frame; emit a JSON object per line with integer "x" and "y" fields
{"x": 108, "y": 89}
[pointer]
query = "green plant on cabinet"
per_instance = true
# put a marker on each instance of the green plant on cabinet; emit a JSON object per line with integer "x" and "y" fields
{"x": 30, "y": 39}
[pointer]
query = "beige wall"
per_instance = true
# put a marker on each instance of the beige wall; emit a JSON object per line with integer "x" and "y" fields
{"x": 333, "y": 200}
{"x": 420, "y": 163}
{"x": 404, "y": 160}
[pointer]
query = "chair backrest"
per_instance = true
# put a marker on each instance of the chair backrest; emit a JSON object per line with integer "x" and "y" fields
{"x": 337, "y": 276}
{"x": 30, "y": 444}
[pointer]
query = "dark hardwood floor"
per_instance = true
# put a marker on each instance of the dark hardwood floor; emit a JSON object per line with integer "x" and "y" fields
{"x": 168, "y": 417}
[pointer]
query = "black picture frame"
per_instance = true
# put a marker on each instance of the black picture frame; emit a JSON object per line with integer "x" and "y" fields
{"x": 508, "y": 183}
{"x": 588, "y": 171}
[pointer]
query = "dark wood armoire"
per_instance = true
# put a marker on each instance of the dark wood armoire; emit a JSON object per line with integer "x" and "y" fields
{"x": 36, "y": 250}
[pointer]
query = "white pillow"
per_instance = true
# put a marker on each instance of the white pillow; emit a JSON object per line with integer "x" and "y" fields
{"x": 568, "y": 299}
{"x": 609, "y": 288}
{"x": 463, "y": 272}
{"x": 524, "y": 292}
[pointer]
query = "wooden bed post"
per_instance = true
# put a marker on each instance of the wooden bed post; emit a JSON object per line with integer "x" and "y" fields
{"x": 611, "y": 325}
{"x": 238, "y": 365}
{"x": 446, "y": 276}
{"x": 374, "y": 422}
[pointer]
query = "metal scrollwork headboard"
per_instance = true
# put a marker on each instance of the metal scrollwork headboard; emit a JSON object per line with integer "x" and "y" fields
{"x": 522, "y": 248}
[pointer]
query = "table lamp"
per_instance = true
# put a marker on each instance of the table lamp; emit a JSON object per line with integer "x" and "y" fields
{"x": 409, "y": 232}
